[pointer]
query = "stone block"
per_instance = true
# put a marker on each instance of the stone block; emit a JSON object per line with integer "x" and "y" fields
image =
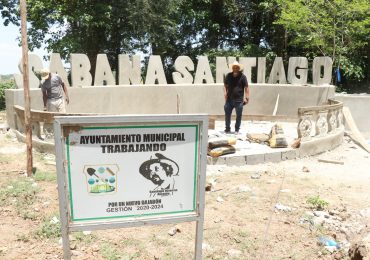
{"x": 130, "y": 70}
{"x": 255, "y": 159}
{"x": 248, "y": 63}
{"x": 155, "y": 73}
{"x": 103, "y": 72}
{"x": 218, "y": 160}
{"x": 56, "y": 66}
{"x": 183, "y": 65}
{"x": 277, "y": 73}
{"x": 236, "y": 161}
{"x": 273, "y": 157}
{"x": 317, "y": 64}
{"x": 203, "y": 73}
{"x": 289, "y": 155}
{"x": 320, "y": 145}
{"x": 261, "y": 70}
{"x": 80, "y": 67}
{"x": 298, "y": 66}
{"x": 34, "y": 65}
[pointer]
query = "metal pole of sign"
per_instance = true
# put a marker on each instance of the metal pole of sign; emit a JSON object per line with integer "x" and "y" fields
{"x": 62, "y": 186}
{"x": 201, "y": 193}
{"x": 26, "y": 87}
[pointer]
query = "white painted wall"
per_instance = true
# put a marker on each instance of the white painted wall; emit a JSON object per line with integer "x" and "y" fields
{"x": 171, "y": 99}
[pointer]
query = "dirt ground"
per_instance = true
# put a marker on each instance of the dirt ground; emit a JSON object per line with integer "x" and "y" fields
{"x": 263, "y": 211}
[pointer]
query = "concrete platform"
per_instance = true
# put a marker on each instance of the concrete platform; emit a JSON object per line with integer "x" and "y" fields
{"x": 254, "y": 153}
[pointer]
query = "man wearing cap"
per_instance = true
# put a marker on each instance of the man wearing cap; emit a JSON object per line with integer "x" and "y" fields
{"x": 236, "y": 92}
{"x": 52, "y": 88}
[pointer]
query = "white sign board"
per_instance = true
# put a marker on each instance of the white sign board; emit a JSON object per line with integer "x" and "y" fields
{"x": 124, "y": 171}
{"x": 132, "y": 171}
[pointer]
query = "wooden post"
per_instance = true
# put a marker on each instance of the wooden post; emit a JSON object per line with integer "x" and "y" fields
{"x": 26, "y": 87}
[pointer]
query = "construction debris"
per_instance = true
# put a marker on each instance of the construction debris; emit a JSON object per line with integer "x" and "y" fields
{"x": 221, "y": 146}
{"x": 277, "y": 137}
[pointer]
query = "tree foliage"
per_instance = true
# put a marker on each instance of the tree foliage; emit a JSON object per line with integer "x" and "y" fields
{"x": 3, "y": 86}
{"x": 336, "y": 28}
{"x": 170, "y": 28}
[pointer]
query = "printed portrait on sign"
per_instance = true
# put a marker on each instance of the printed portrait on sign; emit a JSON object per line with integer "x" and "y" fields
{"x": 161, "y": 171}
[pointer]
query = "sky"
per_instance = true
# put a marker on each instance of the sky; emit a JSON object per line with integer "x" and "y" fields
{"x": 10, "y": 52}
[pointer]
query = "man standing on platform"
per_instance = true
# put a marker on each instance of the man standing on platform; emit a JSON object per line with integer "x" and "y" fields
{"x": 52, "y": 89}
{"x": 236, "y": 92}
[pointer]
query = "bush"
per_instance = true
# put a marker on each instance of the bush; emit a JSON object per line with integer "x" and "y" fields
{"x": 317, "y": 203}
{"x": 5, "y": 85}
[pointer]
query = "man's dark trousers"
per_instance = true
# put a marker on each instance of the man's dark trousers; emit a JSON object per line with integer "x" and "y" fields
{"x": 229, "y": 106}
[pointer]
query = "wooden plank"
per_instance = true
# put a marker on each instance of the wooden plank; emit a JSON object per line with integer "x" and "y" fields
{"x": 355, "y": 133}
{"x": 330, "y": 161}
{"x": 45, "y": 116}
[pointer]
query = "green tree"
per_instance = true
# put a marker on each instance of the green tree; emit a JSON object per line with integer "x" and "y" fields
{"x": 3, "y": 86}
{"x": 336, "y": 28}
{"x": 170, "y": 28}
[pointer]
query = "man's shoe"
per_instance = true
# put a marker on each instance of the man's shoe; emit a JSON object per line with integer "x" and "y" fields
{"x": 236, "y": 132}
{"x": 227, "y": 131}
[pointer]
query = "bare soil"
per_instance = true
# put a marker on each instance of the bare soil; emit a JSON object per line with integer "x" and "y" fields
{"x": 241, "y": 220}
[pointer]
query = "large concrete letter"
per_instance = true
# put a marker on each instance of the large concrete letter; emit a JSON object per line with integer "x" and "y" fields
{"x": 277, "y": 72}
{"x": 301, "y": 65}
{"x": 222, "y": 67}
{"x": 80, "y": 67}
{"x": 155, "y": 71}
{"x": 34, "y": 65}
{"x": 18, "y": 79}
{"x": 183, "y": 64}
{"x": 261, "y": 70}
{"x": 319, "y": 78}
{"x": 103, "y": 72}
{"x": 203, "y": 72}
{"x": 129, "y": 72}
{"x": 56, "y": 66}
{"x": 248, "y": 63}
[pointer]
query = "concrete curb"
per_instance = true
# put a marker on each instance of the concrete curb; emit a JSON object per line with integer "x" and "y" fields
{"x": 37, "y": 144}
{"x": 308, "y": 148}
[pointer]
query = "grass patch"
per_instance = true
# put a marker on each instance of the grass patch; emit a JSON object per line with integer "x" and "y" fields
{"x": 131, "y": 242}
{"x": 86, "y": 239}
{"x": 4, "y": 158}
{"x": 27, "y": 213}
{"x": 160, "y": 241}
{"x": 243, "y": 241}
{"x": 49, "y": 228}
{"x": 9, "y": 136}
{"x": 109, "y": 252}
{"x": 317, "y": 203}
{"x": 19, "y": 192}
{"x": 169, "y": 255}
{"x": 45, "y": 176}
{"x": 23, "y": 237}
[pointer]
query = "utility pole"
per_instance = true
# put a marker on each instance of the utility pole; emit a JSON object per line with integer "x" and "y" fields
{"x": 26, "y": 87}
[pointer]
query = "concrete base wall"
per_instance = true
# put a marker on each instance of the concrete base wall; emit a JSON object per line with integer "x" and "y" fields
{"x": 173, "y": 99}
{"x": 359, "y": 105}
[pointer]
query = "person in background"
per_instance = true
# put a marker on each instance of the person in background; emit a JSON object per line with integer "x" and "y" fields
{"x": 236, "y": 93}
{"x": 53, "y": 92}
